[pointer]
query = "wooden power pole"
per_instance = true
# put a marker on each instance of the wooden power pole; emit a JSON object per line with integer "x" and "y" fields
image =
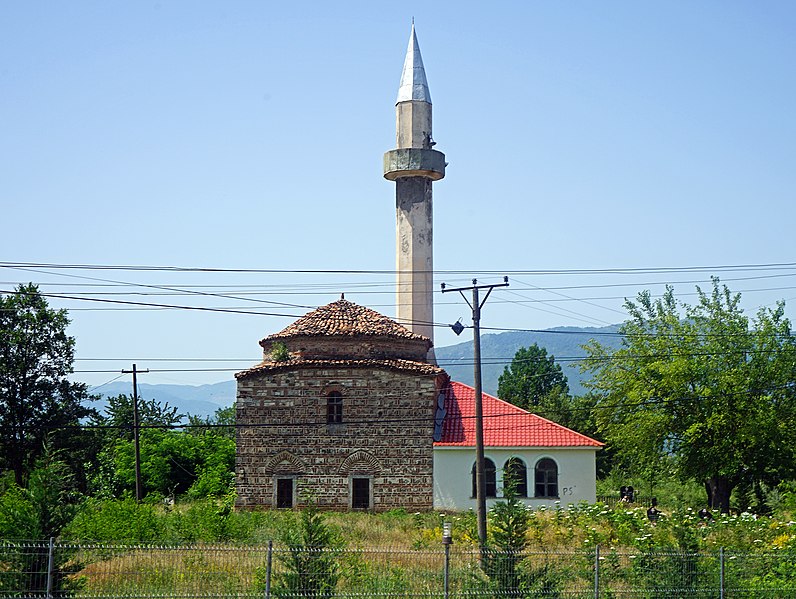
{"x": 480, "y": 478}
{"x": 139, "y": 489}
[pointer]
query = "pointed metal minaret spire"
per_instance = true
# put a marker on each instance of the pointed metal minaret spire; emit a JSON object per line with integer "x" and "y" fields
{"x": 413, "y": 165}
{"x": 413, "y": 79}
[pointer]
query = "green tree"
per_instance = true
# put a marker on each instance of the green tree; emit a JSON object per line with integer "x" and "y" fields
{"x": 222, "y": 422}
{"x": 706, "y": 389}
{"x": 508, "y": 538}
{"x": 311, "y": 566}
{"x": 531, "y": 378}
{"x": 43, "y": 508}
{"x": 216, "y": 472}
{"x": 37, "y": 401}
{"x": 39, "y": 511}
{"x": 510, "y": 571}
{"x": 198, "y": 461}
{"x": 115, "y": 426}
{"x": 173, "y": 463}
{"x": 118, "y": 415}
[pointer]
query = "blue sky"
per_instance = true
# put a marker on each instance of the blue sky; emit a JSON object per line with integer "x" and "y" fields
{"x": 249, "y": 135}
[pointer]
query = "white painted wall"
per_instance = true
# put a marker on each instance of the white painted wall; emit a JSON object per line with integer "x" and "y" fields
{"x": 453, "y": 479}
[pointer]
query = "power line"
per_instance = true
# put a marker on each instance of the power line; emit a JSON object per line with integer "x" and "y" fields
{"x": 464, "y": 362}
{"x": 578, "y": 271}
{"x": 389, "y": 287}
{"x": 113, "y": 380}
{"x": 651, "y": 401}
{"x": 171, "y": 289}
{"x": 199, "y": 308}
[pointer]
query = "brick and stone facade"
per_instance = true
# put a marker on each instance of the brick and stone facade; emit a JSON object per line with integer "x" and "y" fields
{"x": 345, "y": 416}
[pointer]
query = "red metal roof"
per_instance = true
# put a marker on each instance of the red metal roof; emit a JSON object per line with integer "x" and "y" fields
{"x": 505, "y": 425}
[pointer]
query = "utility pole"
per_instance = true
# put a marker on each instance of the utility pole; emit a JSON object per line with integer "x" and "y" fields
{"x": 139, "y": 489}
{"x": 480, "y": 478}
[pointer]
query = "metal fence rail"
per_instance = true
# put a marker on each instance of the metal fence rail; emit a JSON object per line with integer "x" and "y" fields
{"x": 57, "y": 569}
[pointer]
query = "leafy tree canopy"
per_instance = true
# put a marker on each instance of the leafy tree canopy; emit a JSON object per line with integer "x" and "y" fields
{"x": 37, "y": 401}
{"x": 198, "y": 461}
{"x": 531, "y": 377}
{"x": 119, "y": 418}
{"x": 222, "y": 423}
{"x": 535, "y": 382}
{"x": 702, "y": 387}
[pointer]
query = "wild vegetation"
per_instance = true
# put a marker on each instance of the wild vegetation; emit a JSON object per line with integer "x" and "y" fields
{"x": 69, "y": 468}
{"x": 621, "y": 526}
{"x": 702, "y": 389}
{"x": 544, "y": 552}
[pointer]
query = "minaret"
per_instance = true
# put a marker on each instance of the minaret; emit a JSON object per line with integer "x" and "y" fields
{"x": 413, "y": 165}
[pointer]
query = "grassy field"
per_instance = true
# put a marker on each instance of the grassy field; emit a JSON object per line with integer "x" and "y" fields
{"x": 557, "y": 528}
{"x": 389, "y": 553}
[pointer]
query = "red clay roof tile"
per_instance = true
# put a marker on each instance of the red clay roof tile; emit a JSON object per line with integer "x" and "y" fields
{"x": 505, "y": 425}
{"x": 344, "y": 318}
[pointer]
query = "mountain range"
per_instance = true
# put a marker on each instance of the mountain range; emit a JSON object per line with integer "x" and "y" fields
{"x": 197, "y": 400}
{"x": 497, "y": 350}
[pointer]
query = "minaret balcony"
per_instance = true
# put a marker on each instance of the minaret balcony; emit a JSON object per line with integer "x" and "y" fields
{"x": 414, "y": 162}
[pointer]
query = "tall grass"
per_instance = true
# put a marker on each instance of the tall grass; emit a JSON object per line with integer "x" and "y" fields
{"x": 579, "y": 527}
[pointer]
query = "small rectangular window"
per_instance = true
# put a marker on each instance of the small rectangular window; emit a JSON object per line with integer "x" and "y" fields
{"x": 284, "y": 493}
{"x": 360, "y": 493}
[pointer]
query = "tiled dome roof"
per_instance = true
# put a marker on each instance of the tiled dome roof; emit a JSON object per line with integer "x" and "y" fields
{"x": 344, "y": 318}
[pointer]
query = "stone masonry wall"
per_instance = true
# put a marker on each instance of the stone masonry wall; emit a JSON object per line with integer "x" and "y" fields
{"x": 386, "y": 434}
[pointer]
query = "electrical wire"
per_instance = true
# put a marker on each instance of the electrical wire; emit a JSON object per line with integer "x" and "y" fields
{"x": 652, "y": 401}
{"x": 296, "y": 316}
{"x": 171, "y": 289}
{"x": 199, "y": 308}
{"x": 113, "y": 380}
{"x": 578, "y": 271}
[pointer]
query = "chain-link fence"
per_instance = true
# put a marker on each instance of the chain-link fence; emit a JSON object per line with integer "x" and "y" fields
{"x": 58, "y": 569}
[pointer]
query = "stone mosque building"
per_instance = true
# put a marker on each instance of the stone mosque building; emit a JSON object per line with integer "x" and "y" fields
{"x": 348, "y": 408}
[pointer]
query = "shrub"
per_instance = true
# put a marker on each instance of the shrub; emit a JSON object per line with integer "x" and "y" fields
{"x": 116, "y": 520}
{"x": 310, "y": 562}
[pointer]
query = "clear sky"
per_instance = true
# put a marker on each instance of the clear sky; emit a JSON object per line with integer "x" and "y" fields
{"x": 249, "y": 135}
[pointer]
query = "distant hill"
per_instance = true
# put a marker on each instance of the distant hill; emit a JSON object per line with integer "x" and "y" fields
{"x": 197, "y": 400}
{"x": 498, "y": 349}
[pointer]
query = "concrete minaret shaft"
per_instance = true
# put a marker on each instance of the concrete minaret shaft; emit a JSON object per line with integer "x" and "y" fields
{"x": 413, "y": 165}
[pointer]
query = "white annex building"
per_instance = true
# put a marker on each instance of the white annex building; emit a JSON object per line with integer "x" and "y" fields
{"x": 548, "y": 462}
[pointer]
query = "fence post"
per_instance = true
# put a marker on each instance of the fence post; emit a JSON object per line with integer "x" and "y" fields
{"x": 447, "y": 540}
{"x": 50, "y": 568}
{"x": 268, "y": 569}
{"x": 721, "y": 572}
{"x": 597, "y": 572}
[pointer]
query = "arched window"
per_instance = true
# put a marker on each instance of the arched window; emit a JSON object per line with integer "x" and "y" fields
{"x": 334, "y": 407}
{"x": 546, "y": 478}
{"x": 490, "y": 477}
{"x": 515, "y": 473}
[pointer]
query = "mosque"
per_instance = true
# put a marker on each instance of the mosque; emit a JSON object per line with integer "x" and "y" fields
{"x": 348, "y": 408}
